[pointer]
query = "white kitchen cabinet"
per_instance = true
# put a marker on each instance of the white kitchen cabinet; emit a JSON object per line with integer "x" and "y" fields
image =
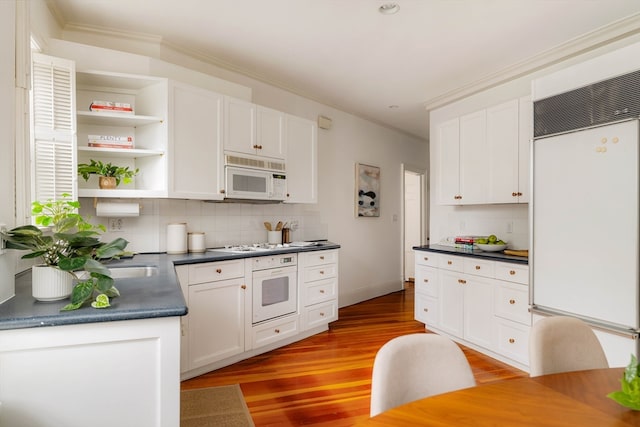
{"x": 302, "y": 160}
{"x": 148, "y": 97}
{"x": 253, "y": 129}
{"x": 479, "y": 302}
{"x": 195, "y": 147}
{"x": 474, "y": 157}
{"x": 98, "y": 374}
{"x": 448, "y": 146}
{"x": 318, "y": 282}
{"x": 483, "y": 157}
{"x": 218, "y": 300}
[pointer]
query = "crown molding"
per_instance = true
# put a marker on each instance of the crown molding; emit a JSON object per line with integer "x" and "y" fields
{"x": 599, "y": 37}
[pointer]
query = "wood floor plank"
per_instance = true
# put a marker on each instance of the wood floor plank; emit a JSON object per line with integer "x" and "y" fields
{"x": 325, "y": 380}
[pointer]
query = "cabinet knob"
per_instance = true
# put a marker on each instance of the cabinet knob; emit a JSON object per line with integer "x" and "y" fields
{"x": 243, "y": 287}
{"x": 218, "y": 270}
{"x": 321, "y": 271}
{"x": 425, "y": 309}
{"x": 321, "y": 314}
{"x": 514, "y": 194}
{"x": 426, "y": 280}
{"x": 449, "y": 262}
{"x": 512, "y": 301}
{"x": 477, "y": 267}
{"x": 322, "y": 291}
{"x": 519, "y": 193}
{"x": 462, "y": 281}
{"x": 321, "y": 257}
{"x": 277, "y": 331}
{"x": 512, "y": 272}
{"x": 222, "y": 191}
{"x": 512, "y": 340}
{"x": 426, "y": 258}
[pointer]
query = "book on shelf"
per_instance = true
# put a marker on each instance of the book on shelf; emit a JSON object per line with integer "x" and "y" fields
{"x": 468, "y": 239}
{"x": 110, "y": 141}
{"x": 110, "y": 106}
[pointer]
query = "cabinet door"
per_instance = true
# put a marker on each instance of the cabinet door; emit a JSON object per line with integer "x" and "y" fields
{"x": 448, "y": 145}
{"x": 524, "y": 147}
{"x": 451, "y": 303}
{"x": 216, "y": 321}
{"x": 270, "y": 133}
{"x": 196, "y": 143}
{"x": 502, "y": 145}
{"x": 240, "y": 126}
{"x": 426, "y": 310}
{"x": 479, "y": 320}
{"x": 474, "y": 173}
{"x": 302, "y": 160}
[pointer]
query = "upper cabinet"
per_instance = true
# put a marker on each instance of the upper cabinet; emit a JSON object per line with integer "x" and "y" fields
{"x": 195, "y": 143}
{"x": 302, "y": 160}
{"x": 253, "y": 129}
{"x": 140, "y": 117}
{"x": 483, "y": 157}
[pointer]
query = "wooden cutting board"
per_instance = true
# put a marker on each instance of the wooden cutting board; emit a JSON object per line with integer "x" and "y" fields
{"x": 517, "y": 252}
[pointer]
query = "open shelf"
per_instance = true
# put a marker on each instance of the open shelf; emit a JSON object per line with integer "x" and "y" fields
{"x": 122, "y": 152}
{"x": 115, "y": 119}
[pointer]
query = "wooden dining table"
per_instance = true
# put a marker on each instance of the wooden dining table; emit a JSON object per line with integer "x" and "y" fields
{"x": 566, "y": 399}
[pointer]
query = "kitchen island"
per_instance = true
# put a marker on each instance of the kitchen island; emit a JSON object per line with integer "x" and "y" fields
{"x": 114, "y": 366}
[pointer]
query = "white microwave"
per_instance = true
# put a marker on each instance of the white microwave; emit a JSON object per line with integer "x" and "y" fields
{"x": 255, "y": 184}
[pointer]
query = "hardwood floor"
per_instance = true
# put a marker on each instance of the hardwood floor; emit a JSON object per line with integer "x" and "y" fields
{"x": 325, "y": 380}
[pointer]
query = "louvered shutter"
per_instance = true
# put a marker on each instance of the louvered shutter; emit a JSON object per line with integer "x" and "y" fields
{"x": 53, "y": 154}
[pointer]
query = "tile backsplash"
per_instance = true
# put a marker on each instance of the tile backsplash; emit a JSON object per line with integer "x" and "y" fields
{"x": 222, "y": 223}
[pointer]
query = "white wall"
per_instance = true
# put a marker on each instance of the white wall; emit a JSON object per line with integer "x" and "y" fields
{"x": 7, "y": 138}
{"x": 370, "y": 259}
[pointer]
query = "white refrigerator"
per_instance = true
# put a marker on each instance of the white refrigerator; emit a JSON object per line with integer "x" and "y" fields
{"x": 584, "y": 230}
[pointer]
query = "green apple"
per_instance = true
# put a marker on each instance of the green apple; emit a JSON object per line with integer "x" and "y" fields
{"x": 492, "y": 239}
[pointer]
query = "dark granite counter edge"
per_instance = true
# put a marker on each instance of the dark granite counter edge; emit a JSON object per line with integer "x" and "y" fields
{"x": 494, "y": 256}
{"x": 141, "y": 298}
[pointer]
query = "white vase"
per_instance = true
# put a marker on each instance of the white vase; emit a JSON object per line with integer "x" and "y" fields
{"x": 50, "y": 283}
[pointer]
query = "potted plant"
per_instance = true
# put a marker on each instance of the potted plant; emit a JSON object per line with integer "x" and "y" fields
{"x": 110, "y": 175}
{"x": 70, "y": 247}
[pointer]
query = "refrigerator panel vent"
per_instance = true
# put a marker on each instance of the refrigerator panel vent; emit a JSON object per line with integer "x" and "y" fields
{"x": 593, "y": 105}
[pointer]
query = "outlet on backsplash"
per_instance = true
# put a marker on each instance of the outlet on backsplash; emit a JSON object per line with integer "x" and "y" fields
{"x": 509, "y": 227}
{"x": 116, "y": 224}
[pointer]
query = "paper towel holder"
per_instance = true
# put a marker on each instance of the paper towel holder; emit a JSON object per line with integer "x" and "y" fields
{"x": 116, "y": 209}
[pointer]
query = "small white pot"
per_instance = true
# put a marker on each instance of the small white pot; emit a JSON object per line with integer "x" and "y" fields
{"x": 50, "y": 283}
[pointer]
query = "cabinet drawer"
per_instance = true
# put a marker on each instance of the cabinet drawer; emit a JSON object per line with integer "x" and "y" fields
{"x": 426, "y": 258}
{"x": 321, "y": 314}
{"x": 513, "y": 341}
{"x": 426, "y": 310}
{"x": 426, "y": 280}
{"x": 319, "y": 257}
{"x": 479, "y": 267}
{"x": 449, "y": 262}
{"x": 320, "y": 291}
{"x": 512, "y": 272}
{"x": 320, "y": 272}
{"x": 274, "y": 331}
{"x": 512, "y": 302}
{"x": 214, "y": 271}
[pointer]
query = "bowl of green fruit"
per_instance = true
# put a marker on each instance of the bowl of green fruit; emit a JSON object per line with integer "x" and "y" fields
{"x": 491, "y": 244}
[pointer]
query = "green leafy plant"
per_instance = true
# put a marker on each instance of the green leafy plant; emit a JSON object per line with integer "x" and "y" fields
{"x": 629, "y": 395}
{"x": 96, "y": 167}
{"x": 72, "y": 245}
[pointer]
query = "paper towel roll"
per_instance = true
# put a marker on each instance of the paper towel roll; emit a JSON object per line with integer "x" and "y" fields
{"x": 110, "y": 209}
{"x": 177, "y": 238}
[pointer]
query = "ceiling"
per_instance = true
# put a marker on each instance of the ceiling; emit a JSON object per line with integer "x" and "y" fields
{"x": 344, "y": 53}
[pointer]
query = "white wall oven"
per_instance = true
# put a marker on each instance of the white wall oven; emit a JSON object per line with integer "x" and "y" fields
{"x": 275, "y": 287}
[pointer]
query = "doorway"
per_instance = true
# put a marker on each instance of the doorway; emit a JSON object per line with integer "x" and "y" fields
{"x": 414, "y": 217}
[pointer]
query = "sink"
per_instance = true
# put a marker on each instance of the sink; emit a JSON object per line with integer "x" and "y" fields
{"x": 133, "y": 271}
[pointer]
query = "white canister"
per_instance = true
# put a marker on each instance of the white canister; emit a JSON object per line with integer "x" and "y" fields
{"x": 177, "y": 238}
{"x": 196, "y": 242}
{"x": 274, "y": 237}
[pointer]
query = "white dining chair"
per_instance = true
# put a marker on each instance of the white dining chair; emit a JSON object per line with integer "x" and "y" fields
{"x": 563, "y": 344}
{"x": 414, "y": 366}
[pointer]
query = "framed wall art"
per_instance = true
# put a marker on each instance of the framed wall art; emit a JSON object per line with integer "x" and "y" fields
{"x": 367, "y": 190}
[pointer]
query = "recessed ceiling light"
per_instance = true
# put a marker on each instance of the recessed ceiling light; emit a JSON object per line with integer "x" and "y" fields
{"x": 389, "y": 8}
{"x": 394, "y": 106}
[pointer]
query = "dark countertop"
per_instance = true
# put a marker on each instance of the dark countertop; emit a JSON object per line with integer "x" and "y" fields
{"x": 494, "y": 256}
{"x": 140, "y": 298}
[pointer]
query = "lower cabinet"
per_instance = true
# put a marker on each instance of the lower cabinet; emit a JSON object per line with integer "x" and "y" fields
{"x": 218, "y": 329}
{"x": 480, "y": 303}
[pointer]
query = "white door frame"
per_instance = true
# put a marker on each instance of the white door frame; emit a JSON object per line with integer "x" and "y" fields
{"x": 423, "y": 209}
